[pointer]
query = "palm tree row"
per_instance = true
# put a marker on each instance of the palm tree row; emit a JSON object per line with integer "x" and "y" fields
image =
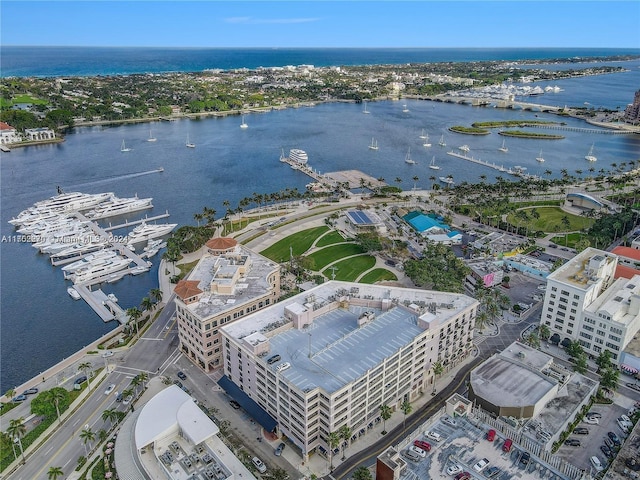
{"x": 146, "y": 305}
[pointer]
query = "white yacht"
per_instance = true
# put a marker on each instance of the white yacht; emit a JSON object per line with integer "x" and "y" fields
{"x": 426, "y": 141}
{"x": 105, "y": 253}
{"x": 504, "y": 148}
{"x": 298, "y": 156}
{"x": 540, "y": 158}
{"x": 118, "y": 206}
{"x": 73, "y": 293}
{"x": 151, "y": 137}
{"x": 365, "y": 108}
{"x": 404, "y": 108}
{"x": 243, "y": 125}
{"x": 144, "y": 232}
{"x": 441, "y": 142}
{"x": 464, "y": 148}
{"x": 124, "y": 148}
{"x": 590, "y": 156}
{"x": 423, "y": 135}
{"x": 433, "y": 165}
{"x": 97, "y": 271}
{"x": 448, "y": 180}
{"x": 189, "y": 144}
{"x": 374, "y": 144}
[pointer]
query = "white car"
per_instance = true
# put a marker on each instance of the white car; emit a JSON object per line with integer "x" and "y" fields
{"x": 259, "y": 464}
{"x": 449, "y": 421}
{"x": 108, "y": 353}
{"x": 597, "y": 464}
{"x": 418, "y": 450}
{"x": 481, "y": 465}
{"x": 433, "y": 436}
{"x": 454, "y": 469}
{"x": 110, "y": 389}
{"x": 283, "y": 366}
{"x": 591, "y": 420}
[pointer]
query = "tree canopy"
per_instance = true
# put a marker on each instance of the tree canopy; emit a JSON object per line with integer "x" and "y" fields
{"x": 438, "y": 269}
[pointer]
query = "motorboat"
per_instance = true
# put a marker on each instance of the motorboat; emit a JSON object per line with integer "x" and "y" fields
{"x": 447, "y": 180}
{"x": 96, "y": 271}
{"x": 145, "y": 231}
{"x": 73, "y": 293}
{"x": 118, "y": 206}
{"x": 104, "y": 253}
{"x": 464, "y": 148}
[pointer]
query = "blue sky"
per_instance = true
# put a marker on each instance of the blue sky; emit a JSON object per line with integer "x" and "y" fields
{"x": 335, "y": 23}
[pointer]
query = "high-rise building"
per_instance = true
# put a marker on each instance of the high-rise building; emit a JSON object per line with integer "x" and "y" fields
{"x": 332, "y": 356}
{"x": 229, "y": 282}
{"x": 632, "y": 112}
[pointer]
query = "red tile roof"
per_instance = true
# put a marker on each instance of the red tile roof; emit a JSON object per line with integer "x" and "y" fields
{"x": 623, "y": 271}
{"x": 5, "y": 126}
{"x": 627, "y": 252}
{"x": 187, "y": 289}
{"x": 221, "y": 243}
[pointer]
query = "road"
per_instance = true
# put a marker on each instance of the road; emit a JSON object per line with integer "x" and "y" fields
{"x": 153, "y": 354}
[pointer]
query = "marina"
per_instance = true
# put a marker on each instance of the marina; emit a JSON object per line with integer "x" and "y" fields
{"x": 511, "y": 171}
{"x": 90, "y": 254}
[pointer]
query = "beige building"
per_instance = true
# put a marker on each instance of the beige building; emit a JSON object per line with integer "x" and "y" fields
{"x": 229, "y": 282}
{"x": 331, "y": 356}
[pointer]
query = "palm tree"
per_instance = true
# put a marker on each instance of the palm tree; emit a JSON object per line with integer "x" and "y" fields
{"x": 146, "y": 304}
{"x": 102, "y": 435}
{"x": 345, "y": 435}
{"x": 136, "y": 382}
{"x": 143, "y": 377}
{"x": 333, "y": 441}
{"x": 9, "y": 394}
{"x": 84, "y": 367}
{"x": 87, "y": 436}
{"x": 54, "y": 473}
{"x": 58, "y": 394}
{"x": 406, "y": 408}
{"x": 5, "y": 439}
{"x": 109, "y": 415}
{"x": 437, "y": 370}
{"x": 128, "y": 393}
{"x": 16, "y": 431}
{"x": 134, "y": 314}
{"x": 385, "y": 414}
{"x": 156, "y": 295}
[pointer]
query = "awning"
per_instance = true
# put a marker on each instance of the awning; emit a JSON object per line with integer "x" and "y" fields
{"x": 628, "y": 369}
{"x": 249, "y": 405}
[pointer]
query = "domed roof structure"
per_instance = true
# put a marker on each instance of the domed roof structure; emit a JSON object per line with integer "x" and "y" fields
{"x": 221, "y": 244}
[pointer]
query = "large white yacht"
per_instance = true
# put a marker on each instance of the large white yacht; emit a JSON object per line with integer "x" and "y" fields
{"x": 86, "y": 261}
{"x": 298, "y": 156}
{"x": 145, "y": 231}
{"x": 100, "y": 268}
{"x": 118, "y": 206}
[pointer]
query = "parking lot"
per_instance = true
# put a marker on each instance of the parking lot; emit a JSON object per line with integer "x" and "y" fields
{"x": 590, "y": 443}
{"x": 465, "y": 445}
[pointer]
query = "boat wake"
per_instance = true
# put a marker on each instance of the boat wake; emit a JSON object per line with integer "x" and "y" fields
{"x": 112, "y": 178}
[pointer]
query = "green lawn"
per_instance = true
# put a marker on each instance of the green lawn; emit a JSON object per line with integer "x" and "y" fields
{"x": 324, "y": 257}
{"x": 378, "y": 275}
{"x": 22, "y": 99}
{"x": 350, "y": 268}
{"x": 299, "y": 243}
{"x": 550, "y": 220}
{"x": 571, "y": 240}
{"x": 329, "y": 239}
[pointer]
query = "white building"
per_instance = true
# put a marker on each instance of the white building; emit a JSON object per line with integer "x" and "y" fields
{"x": 8, "y": 134}
{"x": 42, "y": 133}
{"x": 229, "y": 282}
{"x": 331, "y": 356}
{"x": 584, "y": 302}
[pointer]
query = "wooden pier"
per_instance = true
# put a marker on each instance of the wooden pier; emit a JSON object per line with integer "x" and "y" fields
{"x": 135, "y": 222}
{"x": 515, "y": 173}
{"x": 309, "y": 171}
{"x": 106, "y": 308}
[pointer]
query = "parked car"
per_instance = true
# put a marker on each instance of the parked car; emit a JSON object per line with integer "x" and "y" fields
{"x": 614, "y": 438}
{"x": 634, "y": 386}
{"x": 422, "y": 445}
{"x": 119, "y": 397}
{"x": 108, "y": 353}
{"x": 279, "y": 449}
{"x": 418, "y": 450}
{"x": 110, "y": 389}
{"x": 449, "y": 421}
{"x": 481, "y": 465}
{"x": 283, "y": 366}
{"x": 492, "y": 472}
{"x": 30, "y": 391}
{"x": 463, "y": 476}
{"x": 454, "y": 469}
{"x": 491, "y": 435}
{"x": 606, "y": 450}
{"x": 609, "y": 443}
{"x": 594, "y": 414}
{"x": 178, "y": 383}
{"x": 234, "y": 404}
{"x": 411, "y": 455}
{"x": 506, "y": 446}
{"x": 181, "y": 376}
{"x": 597, "y": 464}
{"x": 591, "y": 420}
{"x": 433, "y": 436}
{"x": 80, "y": 380}
{"x": 259, "y": 464}
{"x": 581, "y": 431}
{"x": 572, "y": 442}
{"x": 273, "y": 359}
{"x": 524, "y": 459}
{"x": 19, "y": 398}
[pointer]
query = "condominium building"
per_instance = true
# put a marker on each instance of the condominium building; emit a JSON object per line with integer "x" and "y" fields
{"x": 229, "y": 282}
{"x": 584, "y": 302}
{"x": 332, "y": 356}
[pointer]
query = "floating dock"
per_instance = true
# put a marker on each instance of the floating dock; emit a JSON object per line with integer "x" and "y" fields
{"x": 106, "y": 308}
{"x": 500, "y": 168}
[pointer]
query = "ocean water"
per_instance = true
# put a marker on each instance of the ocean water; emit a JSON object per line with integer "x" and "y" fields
{"x": 230, "y": 163}
{"x": 83, "y": 61}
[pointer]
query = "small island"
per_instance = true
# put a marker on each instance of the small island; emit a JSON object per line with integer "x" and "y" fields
{"x": 514, "y": 123}
{"x": 525, "y": 134}
{"x": 469, "y": 130}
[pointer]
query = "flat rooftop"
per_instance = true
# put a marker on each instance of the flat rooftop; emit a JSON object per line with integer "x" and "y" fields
{"x": 253, "y": 285}
{"x": 334, "y": 351}
{"x": 576, "y": 272}
{"x": 616, "y": 299}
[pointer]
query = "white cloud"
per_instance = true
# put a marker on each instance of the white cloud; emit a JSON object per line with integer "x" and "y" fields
{"x": 257, "y": 21}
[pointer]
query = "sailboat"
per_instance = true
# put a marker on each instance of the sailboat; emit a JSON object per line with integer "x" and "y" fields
{"x": 590, "y": 156}
{"x": 503, "y": 148}
{"x": 423, "y": 135}
{"x": 540, "y": 158}
{"x": 433, "y": 165}
{"x": 151, "y": 137}
{"x": 374, "y": 144}
{"x": 189, "y": 144}
{"x": 283, "y": 159}
{"x": 442, "y": 143}
{"x": 124, "y": 148}
{"x": 426, "y": 141}
{"x": 404, "y": 108}
{"x": 365, "y": 107}
{"x": 408, "y": 158}
{"x": 243, "y": 124}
